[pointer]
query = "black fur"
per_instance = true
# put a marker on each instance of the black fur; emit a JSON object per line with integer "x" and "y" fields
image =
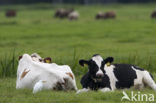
{"x": 82, "y": 62}
{"x": 109, "y": 59}
{"x": 125, "y": 75}
{"x": 88, "y": 82}
{"x": 138, "y": 68}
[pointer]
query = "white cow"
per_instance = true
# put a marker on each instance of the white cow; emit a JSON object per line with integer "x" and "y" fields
{"x": 73, "y": 15}
{"x": 39, "y": 76}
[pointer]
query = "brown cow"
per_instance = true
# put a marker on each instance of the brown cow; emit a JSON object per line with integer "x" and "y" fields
{"x": 153, "y": 14}
{"x": 10, "y": 13}
{"x": 63, "y": 13}
{"x": 110, "y": 14}
{"x": 99, "y": 15}
{"x": 106, "y": 15}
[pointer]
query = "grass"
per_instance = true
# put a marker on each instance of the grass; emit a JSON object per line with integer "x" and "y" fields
{"x": 10, "y": 95}
{"x": 130, "y": 38}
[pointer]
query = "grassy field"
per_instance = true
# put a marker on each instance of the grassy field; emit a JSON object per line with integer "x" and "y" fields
{"x": 8, "y": 94}
{"x": 130, "y": 38}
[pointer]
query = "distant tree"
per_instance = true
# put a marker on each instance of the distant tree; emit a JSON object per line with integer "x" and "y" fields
{"x": 86, "y": 2}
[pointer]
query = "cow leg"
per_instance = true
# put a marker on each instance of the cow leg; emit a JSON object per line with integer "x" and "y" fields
{"x": 82, "y": 90}
{"x": 74, "y": 86}
{"x": 138, "y": 82}
{"x": 148, "y": 80}
{"x": 105, "y": 89}
{"x": 139, "y": 86}
{"x": 70, "y": 83}
{"x": 38, "y": 86}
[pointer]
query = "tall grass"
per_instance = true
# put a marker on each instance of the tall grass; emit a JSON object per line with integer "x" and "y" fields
{"x": 145, "y": 62}
{"x": 8, "y": 65}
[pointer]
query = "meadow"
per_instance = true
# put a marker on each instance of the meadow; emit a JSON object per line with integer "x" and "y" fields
{"x": 130, "y": 38}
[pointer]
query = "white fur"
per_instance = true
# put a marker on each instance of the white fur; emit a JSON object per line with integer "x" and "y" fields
{"x": 83, "y": 90}
{"x": 38, "y": 86}
{"x": 99, "y": 72}
{"x": 51, "y": 73}
{"x": 36, "y": 57}
{"x": 105, "y": 90}
{"x": 143, "y": 78}
{"x": 74, "y": 15}
{"x": 110, "y": 73}
{"x": 98, "y": 60}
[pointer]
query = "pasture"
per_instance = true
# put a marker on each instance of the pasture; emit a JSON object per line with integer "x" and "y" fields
{"x": 130, "y": 38}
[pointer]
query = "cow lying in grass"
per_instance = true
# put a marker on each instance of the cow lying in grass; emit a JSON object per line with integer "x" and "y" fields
{"x": 38, "y": 76}
{"x": 104, "y": 76}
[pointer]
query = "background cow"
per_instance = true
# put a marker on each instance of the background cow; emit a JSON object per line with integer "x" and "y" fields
{"x": 63, "y": 13}
{"x": 10, "y": 13}
{"x": 39, "y": 76}
{"x": 104, "y": 76}
{"x": 107, "y": 15}
{"x": 99, "y": 15}
{"x": 153, "y": 15}
{"x": 73, "y": 15}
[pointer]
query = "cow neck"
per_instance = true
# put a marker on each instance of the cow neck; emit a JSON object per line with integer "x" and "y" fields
{"x": 94, "y": 79}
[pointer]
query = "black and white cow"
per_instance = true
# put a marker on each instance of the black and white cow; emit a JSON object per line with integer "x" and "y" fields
{"x": 104, "y": 76}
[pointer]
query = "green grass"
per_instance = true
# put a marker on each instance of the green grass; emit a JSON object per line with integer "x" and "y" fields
{"x": 130, "y": 38}
{"x": 10, "y": 95}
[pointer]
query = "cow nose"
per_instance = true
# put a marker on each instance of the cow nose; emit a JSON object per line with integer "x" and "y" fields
{"x": 99, "y": 75}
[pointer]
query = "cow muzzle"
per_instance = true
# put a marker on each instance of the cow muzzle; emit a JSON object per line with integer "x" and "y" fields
{"x": 99, "y": 75}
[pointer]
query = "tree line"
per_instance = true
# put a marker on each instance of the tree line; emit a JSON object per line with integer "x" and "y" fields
{"x": 73, "y": 1}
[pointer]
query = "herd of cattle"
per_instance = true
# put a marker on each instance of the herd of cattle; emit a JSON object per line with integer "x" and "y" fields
{"x": 71, "y": 14}
{"x": 37, "y": 73}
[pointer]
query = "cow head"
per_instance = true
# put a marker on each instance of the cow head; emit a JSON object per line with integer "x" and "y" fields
{"x": 95, "y": 66}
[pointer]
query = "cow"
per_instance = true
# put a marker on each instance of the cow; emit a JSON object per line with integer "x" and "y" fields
{"x": 153, "y": 15}
{"x": 10, "y": 13}
{"x": 107, "y": 15}
{"x": 105, "y": 76}
{"x": 73, "y": 15}
{"x": 43, "y": 76}
{"x": 99, "y": 15}
{"x": 63, "y": 13}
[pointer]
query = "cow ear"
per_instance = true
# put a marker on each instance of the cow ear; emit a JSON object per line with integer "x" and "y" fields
{"x": 82, "y": 62}
{"x": 20, "y": 57}
{"x": 108, "y": 61}
{"x": 47, "y": 60}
